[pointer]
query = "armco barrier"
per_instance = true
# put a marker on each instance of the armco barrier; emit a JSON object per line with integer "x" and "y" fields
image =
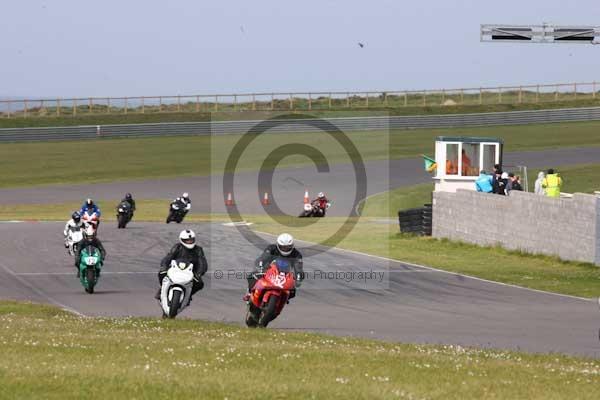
{"x": 344, "y": 124}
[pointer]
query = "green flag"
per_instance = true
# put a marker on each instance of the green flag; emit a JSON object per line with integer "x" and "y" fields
{"x": 429, "y": 163}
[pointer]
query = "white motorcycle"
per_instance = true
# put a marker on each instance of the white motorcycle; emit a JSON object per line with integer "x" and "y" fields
{"x": 74, "y": 238}
{"x": 176, "y": 290}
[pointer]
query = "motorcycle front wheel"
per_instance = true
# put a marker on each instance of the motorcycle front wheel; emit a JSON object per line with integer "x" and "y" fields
{"x": 268, "y": 313}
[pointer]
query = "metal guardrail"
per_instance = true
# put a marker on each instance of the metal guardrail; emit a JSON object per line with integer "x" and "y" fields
{"x": 313, "y": 125}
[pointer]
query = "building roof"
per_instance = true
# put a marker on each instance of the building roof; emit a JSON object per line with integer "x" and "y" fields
{"x": 468, "y": 139}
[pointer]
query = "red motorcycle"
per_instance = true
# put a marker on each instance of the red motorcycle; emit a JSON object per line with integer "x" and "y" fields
{"x": 270, "y": 293}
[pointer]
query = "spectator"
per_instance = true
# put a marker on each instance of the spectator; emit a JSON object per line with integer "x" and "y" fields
{"x": 552, "y": 183}
{"x": 538, "y": 184}
{"x": 513, "y": 183}
{"x": 502, "y": 180}
{"x": 497, "y": 170}
{"x": 484, "y": 183}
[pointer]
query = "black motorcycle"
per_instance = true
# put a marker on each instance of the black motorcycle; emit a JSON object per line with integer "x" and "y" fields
{"x": 312, "y": 210}
{"x": 124, "y": 214}
{"x": 177, "y": 212}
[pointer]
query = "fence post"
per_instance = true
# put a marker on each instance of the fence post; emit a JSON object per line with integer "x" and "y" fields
{"x": 9, "y": 107}
{"x": 309, "y": 102}
{"x": 424, "y": 98}
{"x": 253, "y": 102}
{"x": 347, "y": 100}
{"x": 90, "y": 105}
{"x": 216, "y": 103}
{"x": 74, "y": 106}
{"x": 125, "y": 105}
{"x": 42, "y": 106}
{"x": 367, "y": 96}
{"x": 556, "y": 93}
{"x": 143, "y": 105}
{"x": 594, "y": 90}
{"x": 537, "y": 94}
{"x": 178, "y": 103}
{"x": 329, "y": 101}
{"x": 25, "y": 109}
{"x": 405, "y": 99}
{"x": 291, "y": 102}
{"x": 462, "y": 97}
{"x": 197, "y": 103}
{"x": 520, "y": 94}
{"x": 272, "y": 101}
{"x": 235, "y": 102}
{"x": 575, "y": 91}
{"x": 480, "y": 96}
{"x": 385, "y": 102}
{"x": 159, "y": 104}
{"x": 57, "y": 107}
{"x": 443, "y": 96}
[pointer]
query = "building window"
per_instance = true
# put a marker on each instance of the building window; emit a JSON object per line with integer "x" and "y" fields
{"x": 451, "y": 159}
{"x": 489, "y": 157}
{"x": 470, "y": 159}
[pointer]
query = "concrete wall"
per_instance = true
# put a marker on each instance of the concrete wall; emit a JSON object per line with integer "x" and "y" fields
{"x": 568, "y": 228}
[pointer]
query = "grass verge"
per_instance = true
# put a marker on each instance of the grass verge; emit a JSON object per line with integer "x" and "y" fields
{"x": 48, "y": 353}
{"x": 139, "y": 158}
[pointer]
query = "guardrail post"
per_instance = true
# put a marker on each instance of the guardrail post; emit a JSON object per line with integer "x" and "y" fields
{"x": 57, "y": 107}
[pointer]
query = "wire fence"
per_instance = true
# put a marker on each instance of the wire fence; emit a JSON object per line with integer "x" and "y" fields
{"x": 311, "y": 101}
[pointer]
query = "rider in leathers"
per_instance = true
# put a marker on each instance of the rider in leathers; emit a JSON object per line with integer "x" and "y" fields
{"x": 89, "y": 239}
{"x": 284, "y": 248}
{"x": 74, "y": 222}
{"x": 185, "y": 251}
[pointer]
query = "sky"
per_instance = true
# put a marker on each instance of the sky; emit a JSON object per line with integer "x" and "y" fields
{"x": 64, "y": 48}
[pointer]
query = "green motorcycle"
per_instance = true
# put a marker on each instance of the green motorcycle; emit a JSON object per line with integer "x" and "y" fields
{"x": 89, "y": 267}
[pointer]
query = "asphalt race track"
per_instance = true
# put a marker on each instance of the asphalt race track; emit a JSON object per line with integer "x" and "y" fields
{"x": 409, "y": 304}
{"x": 289, "y": 184}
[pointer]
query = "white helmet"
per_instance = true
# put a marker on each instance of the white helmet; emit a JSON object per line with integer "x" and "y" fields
{"x": 321, "y": 195}
{"x": 187, "y": 238}
{"x": 285, "y": 244}
{"x": 185, "y": 195}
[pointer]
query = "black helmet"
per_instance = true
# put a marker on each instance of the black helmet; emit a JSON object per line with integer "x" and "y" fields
{"x": 128, "y": 196}
{"x": 76, "y": 216}
{"x": 89, "y": 202}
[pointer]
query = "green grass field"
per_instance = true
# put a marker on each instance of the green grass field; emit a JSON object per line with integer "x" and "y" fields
{"x": 122, "y": 159}
{"x": 51, "y": 354}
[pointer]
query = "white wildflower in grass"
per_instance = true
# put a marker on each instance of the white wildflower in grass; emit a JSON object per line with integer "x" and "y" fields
{"x": 343, "y": 381}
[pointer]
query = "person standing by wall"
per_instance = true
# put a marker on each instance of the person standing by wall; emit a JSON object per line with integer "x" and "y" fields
{"x": 484, "y": 183}
{"x": 552, "y": 184}
{"x": 538, "y": 184}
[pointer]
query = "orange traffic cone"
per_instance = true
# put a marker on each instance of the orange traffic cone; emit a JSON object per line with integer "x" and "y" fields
{"x": 229, "y": 200}
{"x": 306, "y": 198}
{"x": 265, "y": 200}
